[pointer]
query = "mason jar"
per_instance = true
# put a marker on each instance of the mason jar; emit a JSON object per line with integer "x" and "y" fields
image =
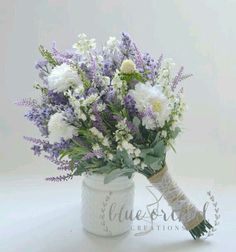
{"x": 107, "y": 208}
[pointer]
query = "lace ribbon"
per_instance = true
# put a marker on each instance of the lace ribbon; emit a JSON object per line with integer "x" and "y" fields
{"x": 186, "y": 212}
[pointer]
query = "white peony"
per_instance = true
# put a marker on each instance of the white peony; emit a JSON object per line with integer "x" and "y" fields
{"x": 152, "y": 103}
{"x": 127, "y": 66}
{"x": 62, "y": 77}
{"x": 58, "y": 128}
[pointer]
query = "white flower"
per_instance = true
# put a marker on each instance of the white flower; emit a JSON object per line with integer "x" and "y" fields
{"x": 101, "y": 107}
{"x": 137, "y": 152}
{"x": 119, "y": 86}
{"x": 105, "y": 142}
{"x": 127, "y": 146}
{"x": 84, "y": 44}
{"x": 112, "y": 43}
{"x": 96, "y": 147}
{"x": 89, "y": 100}
{"x": 152, "y": 103}
{"x": 62, "y": 77}
{"x": 96, "y": 133}
{"x": 127, "y": 66}
{"x": 116, "y": 82}
{"x": 136, "y": 161}
{"x": 58, "y": 128}
{"x": 105, "y": 81}
{"x": 164, "y": 133}
{"x": 110, "y": 156}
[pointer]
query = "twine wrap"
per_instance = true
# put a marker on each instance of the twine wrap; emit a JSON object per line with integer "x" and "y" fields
{"x": 186, "y": 212}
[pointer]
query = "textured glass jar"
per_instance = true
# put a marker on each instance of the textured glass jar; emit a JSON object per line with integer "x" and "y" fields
{"x": 106, "y": 207}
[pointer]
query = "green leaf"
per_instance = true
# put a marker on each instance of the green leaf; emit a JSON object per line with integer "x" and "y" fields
{"x": 175, "y": 133}
{"x": 136, "y": 121}
{"x": 159, "y": 149}
{"x": 156, "y": 165}
{"x": 48, "y": 56}
{"x": 150, "y": 159}
{"x": 132, "y": 76}
{"x": 117, "y": 173}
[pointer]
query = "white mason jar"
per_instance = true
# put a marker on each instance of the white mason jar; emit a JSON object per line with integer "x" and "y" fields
{"x": 107, "y": 208}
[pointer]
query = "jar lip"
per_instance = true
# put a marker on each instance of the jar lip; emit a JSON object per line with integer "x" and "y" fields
{"x": 100, "y": 177}
{"x": 97, "y": 180}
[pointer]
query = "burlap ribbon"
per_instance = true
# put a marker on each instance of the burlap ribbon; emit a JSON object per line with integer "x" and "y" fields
{"x": 181, "y": 205}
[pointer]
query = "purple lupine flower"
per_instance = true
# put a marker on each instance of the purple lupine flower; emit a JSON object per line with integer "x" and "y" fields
{"x": 37, "y": 150}
{"x": 132, "y": 128}
{"x": 98, "y": 122}
{"x": 36, "y": 140}
{"x": 62, "y": 164}
{"x": 92, "y": 154}
{"x": 57, "y": 98}
{"x": 60, "y": 178}
{"x": 110, "y": 95}
{"x": 126, "y": 46}
{"x": 40, "y": 116}
{"x": 70, "y": 115}
{"x": 139, "y": 59}
{"x": 61, "y": 58}
{"x": 89, "y": 72}
{"x": 27, "y": 102}
{"x": 55, "y": 149}
{"x": 159, "y": 61}
{"x": 151, "y": 67}
{"x": 177, "y": 79}
{"x": 41, "y": 65}
{"x": 129, "y": 103}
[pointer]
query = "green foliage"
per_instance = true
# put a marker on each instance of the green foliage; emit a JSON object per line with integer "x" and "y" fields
{"x": 128, "y": 77}
{"x": 48, "y": 56}
{"x": 175, "y": 133}
{"x": 121, "y": 165}
{"x": 117, "y": 173}
{"x": 39, "y": 87}
{"x": 84, "y": 79}
{"x": 154, "y": 156}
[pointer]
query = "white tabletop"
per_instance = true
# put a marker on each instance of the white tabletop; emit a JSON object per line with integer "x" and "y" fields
{"x": 38, "y": 216}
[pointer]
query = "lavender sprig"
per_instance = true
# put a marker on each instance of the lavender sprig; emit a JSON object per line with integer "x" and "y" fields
{"x": 177, "y": 78}
{"x": 27, "y": 102}
{"x": 62, "y": 164}
{"x": 60, "y": 178}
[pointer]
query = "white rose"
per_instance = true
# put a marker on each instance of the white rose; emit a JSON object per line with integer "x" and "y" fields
{"x": 62, "y": 77}
{"x": 58, "y": 128}
{"x": 152, "y": 103}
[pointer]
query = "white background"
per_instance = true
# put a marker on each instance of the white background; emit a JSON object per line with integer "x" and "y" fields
{"x": 200, "y": 35}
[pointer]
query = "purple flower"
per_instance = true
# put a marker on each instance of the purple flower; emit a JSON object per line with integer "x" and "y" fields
{"x": 98, "y": 122}
{"x": 61, "y": 164}
{"x": 27, "y": 102}
{"x": 56, "y": 98}
{"x": 60, "y": 178}
{"x": 41, "y": 65}
{"x": 40, "y": 116}
{"x": 129, "y": 103}
{"x": 67, "y": 57}
{"x": 126, "y": 46}
{"x": 53, "y": 150}
{"x": 177, "y": 79}
{"x": 37, "y": 150}
{"x": 93, "y": 154}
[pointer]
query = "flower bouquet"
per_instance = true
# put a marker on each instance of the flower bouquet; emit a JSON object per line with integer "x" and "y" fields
{"x": 112, "y": 111}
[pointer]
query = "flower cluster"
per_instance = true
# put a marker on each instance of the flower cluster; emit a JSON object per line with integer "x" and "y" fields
{"x": 105, "y": 109}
